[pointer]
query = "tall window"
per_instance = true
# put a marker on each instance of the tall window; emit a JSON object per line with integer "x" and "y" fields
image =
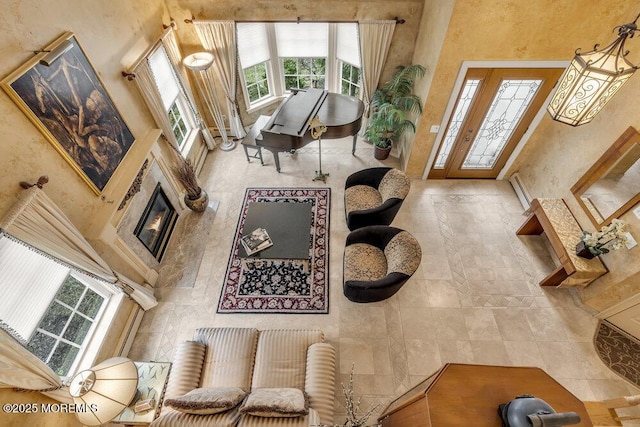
{"x": 257, "y": 82}
{"x": 173, "y": 97}
{"x": 349, "y": 79}
{"x": 278, "y": 57}
{"x": 66, "y": 325}
{"x": 304, "y": 73}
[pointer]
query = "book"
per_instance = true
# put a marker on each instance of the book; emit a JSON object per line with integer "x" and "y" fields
{"x": 256, "y": 241}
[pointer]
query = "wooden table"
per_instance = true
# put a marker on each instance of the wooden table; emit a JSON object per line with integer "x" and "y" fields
{"x": 468, "y": 395}
{"x": 563, "y": 231}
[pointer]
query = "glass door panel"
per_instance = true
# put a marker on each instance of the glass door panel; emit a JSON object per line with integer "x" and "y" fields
{"x": 506, "y": 111}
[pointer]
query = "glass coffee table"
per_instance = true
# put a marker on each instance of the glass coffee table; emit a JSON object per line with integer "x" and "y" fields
{"x": 288, "y": 225}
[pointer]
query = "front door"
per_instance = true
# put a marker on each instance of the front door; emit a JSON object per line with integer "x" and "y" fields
{"x": 494, "y": 109}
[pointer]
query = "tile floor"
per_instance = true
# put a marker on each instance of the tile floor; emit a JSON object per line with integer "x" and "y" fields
{"x": 474, "y": 299}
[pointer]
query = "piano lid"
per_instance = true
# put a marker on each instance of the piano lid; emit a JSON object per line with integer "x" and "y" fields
{"x": 293, "y": 116}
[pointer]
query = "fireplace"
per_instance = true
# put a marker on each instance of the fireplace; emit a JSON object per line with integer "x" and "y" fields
{"x": 156, "y": 223}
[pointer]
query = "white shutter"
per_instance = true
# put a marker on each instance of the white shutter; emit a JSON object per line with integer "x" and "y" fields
{"x": 347, "y": 49}
{"x": 164, "y": 76}
{"x": 308, "y": 40}
{"x": 29, "y": 281}
{"x": 253, "y": 44}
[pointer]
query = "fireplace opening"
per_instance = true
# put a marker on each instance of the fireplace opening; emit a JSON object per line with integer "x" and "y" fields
{"x": 156, "y": 224}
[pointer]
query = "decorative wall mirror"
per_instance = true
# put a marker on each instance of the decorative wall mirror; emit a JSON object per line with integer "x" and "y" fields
{"x": 612, "y": 185}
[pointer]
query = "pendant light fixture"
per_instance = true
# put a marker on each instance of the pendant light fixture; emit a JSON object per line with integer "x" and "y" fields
{"x": 592, "y": 79}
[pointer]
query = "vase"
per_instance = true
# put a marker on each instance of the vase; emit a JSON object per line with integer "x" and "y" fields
{"x": 199, "y": 204}
{"x": 583, "y": 251}
{"x": 381, "y": 153}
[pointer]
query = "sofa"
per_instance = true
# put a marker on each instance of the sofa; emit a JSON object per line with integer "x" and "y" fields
{"x": 253, "y": 362}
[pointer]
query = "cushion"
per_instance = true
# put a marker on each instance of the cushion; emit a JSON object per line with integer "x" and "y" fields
{"x": 403, "y": 254}
{"x": 281, "y": 358}
{"x": 364, "y": 262}
{"x": 230, "y": 356}
{"x": 186, "y": 368}
{"x": 394, "y": 184}
{"x": 276, "y": 402}
{"x": 208, "y": 400}
{"x": 361, "y": 197}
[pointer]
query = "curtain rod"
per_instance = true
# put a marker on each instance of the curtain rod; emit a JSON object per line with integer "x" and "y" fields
{"x": 166, "y": 29}
{"x": 297, "y": 21}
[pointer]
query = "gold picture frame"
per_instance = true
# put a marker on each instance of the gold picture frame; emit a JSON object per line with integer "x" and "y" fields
{"x": 66, "y": 100}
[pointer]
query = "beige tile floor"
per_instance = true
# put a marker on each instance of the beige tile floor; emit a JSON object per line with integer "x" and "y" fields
{"x": 474, "y": 299}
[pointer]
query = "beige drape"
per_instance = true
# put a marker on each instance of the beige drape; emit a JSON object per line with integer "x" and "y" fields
{"x": 19, "y": 368}
{"x": 37, "y": 220}
{"x": 219, "y": 38}
{"x": 375, "y": 38}
{"x": 147, "y": 85}
{"x": 174, "y": 54}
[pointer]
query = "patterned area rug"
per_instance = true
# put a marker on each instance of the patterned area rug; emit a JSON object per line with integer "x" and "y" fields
{"x": 281, "y": 286}
{"x": 619, "y": 351}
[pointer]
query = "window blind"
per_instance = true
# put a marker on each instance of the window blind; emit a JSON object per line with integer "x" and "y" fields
{"x": 253, "y": 43}
{"x": 30, "y": 281}
{"x": 164, "y": 76}
{"x": 309, "y": 40}
{"x": 347, "y": 48}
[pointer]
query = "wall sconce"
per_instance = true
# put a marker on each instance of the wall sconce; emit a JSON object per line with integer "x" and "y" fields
{"x": 55, "y": 53}
{"x": 104, "y": 390}
{"x": 592, "y": 79}
{"x": 200, "y": 65}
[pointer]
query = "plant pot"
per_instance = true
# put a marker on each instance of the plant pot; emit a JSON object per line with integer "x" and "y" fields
{"x": 199, "y": 204}
{"x": 583, "y": 251}
{"x": 381, "y": 153}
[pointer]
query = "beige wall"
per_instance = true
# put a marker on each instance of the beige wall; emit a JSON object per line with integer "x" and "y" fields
{"x": 112, "y": 34}
{"x": 557, "y": 154}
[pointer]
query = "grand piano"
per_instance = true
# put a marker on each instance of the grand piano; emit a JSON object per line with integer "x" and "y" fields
{"x": 288, "y": 128}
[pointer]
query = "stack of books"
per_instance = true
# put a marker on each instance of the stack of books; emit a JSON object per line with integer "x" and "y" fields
{"x": 256, "y": 241}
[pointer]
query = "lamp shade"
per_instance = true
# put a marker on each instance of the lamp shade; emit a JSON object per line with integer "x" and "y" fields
{"x": 104, "y": 390}
{"x": 591, "y": 80}
{"x": 198, "y": 61}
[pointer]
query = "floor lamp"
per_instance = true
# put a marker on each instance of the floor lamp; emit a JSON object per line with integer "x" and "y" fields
{"x": 200, "y": 65}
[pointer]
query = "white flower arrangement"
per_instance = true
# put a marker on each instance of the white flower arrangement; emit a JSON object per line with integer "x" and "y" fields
{"x": 609, "y": 238}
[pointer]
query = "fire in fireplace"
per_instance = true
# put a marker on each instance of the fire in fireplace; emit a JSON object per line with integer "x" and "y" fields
{"x": 156, "y": 223}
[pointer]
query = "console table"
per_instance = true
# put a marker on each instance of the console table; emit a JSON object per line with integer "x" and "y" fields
{"x": 469, "y": 395}
{"x": 563, "y": 231}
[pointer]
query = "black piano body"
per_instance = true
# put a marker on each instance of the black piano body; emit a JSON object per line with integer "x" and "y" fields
{"x": 288, "y": 129}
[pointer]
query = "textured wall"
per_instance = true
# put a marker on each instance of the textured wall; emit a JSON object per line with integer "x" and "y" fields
{"x": 112, "y": 36}
{"x": 556, "y": 155}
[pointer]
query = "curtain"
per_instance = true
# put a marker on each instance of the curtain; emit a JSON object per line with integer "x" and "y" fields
{"x": 375, "y": 38}
{"x": 20, "y": 369}
{"x": 170, "y": 44}
{"x": 219, "y": 38}
{"x": 147, "y": 85}
{"x": 37, "y": 220}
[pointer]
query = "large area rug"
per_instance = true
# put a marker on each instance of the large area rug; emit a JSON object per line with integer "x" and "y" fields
{"x": 619, "y": 351}
{"x": 281, "y": 286}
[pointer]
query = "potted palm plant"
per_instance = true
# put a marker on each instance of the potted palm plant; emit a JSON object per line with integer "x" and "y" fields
{"x": 195, "y": 197}
{"x": 393, "y": 108}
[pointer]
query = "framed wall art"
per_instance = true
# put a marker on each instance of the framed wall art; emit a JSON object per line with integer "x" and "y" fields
{"x": 63, "y": 96}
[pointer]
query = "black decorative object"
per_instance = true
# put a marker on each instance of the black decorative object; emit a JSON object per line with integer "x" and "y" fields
{"x": 135, "y": 186}
{"x": 583, "y": 251}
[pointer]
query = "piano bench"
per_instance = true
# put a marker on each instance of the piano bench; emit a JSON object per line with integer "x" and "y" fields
{"x": 249, "y": 141}
{"x": 257, "y": 154}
